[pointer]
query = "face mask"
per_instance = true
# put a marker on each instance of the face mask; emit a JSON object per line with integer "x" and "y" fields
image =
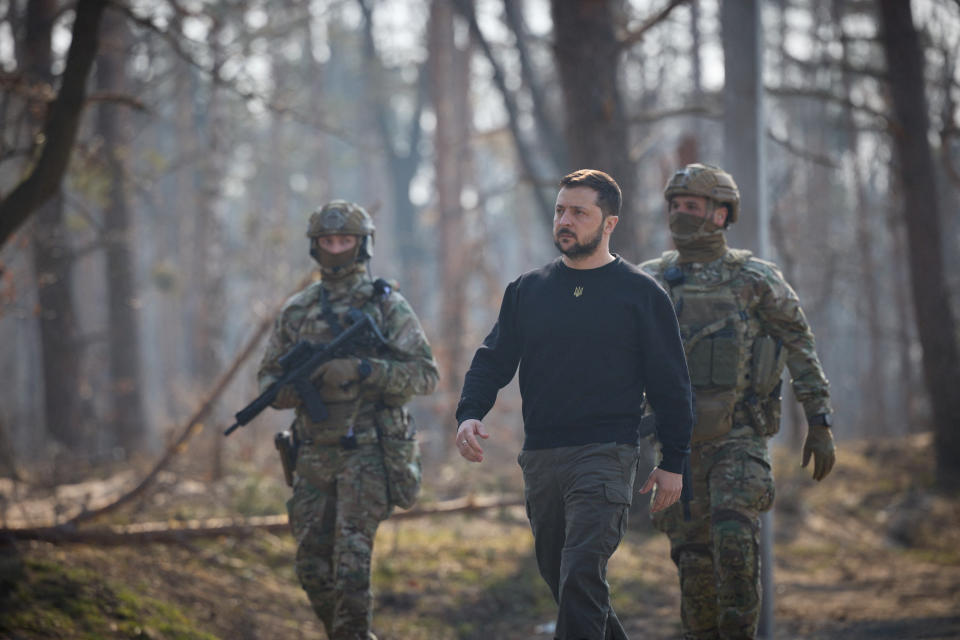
{"x": 334, "y": 265}
{"x": 696, "y": 238}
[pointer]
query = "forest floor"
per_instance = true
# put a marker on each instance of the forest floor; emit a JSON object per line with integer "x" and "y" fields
{"x": 871, "y": 552}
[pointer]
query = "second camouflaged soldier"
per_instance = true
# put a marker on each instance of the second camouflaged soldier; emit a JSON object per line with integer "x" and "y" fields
{"x": 354, "y": 466}
{"x": 740, "y": 322}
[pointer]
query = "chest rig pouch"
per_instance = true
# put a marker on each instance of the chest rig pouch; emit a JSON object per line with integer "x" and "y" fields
{"x": 714, "y": 328}
{"x": 323, "y": 322}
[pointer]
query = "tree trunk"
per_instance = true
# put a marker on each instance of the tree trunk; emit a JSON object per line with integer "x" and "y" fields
{"x": 129, "y": 427}
{"x": 401, "y": 164}
{"x": 208, "y": 304}
{"x": 543, "y": 118}
{"x": 743, "y": 138}
{"x": 588, "y": 61}
{"x": 450, "y": 91}
{"x": 935, "y": 322}
{"x": 53, "y": 262}
{"x": 743, "y": 120}
{"x": 873, "y": 417}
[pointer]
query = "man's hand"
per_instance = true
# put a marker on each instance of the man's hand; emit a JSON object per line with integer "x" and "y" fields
{"x": 668, "y": 486}
{"x": 338, "y": 380}
{"x": 819, "y": 442}
{"x": 468, "y": 443}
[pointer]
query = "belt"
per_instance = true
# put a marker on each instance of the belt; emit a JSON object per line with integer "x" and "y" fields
{"x": 336, "y": 440}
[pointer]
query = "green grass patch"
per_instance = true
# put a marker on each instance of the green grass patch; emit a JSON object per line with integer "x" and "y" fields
{"x": 48, "y": 600}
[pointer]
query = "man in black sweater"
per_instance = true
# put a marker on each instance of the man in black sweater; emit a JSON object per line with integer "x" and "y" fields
{"x": 591, "y": 333}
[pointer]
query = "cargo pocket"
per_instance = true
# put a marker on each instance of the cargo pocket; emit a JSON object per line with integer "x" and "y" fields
{"x": 619, "y": 498}
{"x": 761, "y": 478}
{"x": 699, "y": 364}
{"x": 401, "y": 458}
{"x": 714, "y": 414}
{"x": 396, "y": 434}
{"x": 744, "y": 484}
{"x": 724, "y": 367}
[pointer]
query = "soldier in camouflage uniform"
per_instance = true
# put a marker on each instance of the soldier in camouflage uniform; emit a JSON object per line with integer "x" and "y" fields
{"x": 741, "y": 323}
{"x": 343, "y": 487}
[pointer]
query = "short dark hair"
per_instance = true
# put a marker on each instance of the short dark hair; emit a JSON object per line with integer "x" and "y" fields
{"x": 608, "y": 191}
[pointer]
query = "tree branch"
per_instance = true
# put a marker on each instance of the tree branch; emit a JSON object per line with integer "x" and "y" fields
{"x": 547, "y": 126}
{"x": 703, "y": 111}
{"x": 524, "y": 153}
{"x": 250, "y": 96}
{"x": 812, "y": 156}
{"x": 165, "y": 532}
{"x": 61, "y": 125}
{"x": 637, "y": 34}
{"x": 116, "y": 97}
{"x": 826, "y": 96}
{"x": 840, "y": 65}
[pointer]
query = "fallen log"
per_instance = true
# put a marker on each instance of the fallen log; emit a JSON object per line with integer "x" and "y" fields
{"x": 173, "y": 532}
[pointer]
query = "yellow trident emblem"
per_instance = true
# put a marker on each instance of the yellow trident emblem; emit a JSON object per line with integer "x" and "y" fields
{"x": 578, "y": 292}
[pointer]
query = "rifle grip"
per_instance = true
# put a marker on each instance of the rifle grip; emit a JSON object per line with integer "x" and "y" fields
{"x": 312, "y": 402}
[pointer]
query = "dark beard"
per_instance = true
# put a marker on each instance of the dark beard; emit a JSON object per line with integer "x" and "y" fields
{"x": 580, "y": 249}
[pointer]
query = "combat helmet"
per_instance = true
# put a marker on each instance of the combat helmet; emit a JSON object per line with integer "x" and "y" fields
{"x": 707, "y": 181}
{"x": 347, "y": 218}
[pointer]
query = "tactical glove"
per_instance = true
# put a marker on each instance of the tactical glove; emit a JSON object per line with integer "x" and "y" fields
{"x": 375, "y": 374}
{"x": 287, "y": 398}
{"x": 338, "y": 380}
{"x": 819, "y": 442}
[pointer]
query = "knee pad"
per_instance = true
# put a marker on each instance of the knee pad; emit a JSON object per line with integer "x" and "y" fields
{"x": 736, "y": 550}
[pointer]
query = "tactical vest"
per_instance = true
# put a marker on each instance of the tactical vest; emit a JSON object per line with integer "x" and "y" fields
{"x": 372, "y": 420}
{"x": 734, "y": 370}
{"x": 322, "y": 322}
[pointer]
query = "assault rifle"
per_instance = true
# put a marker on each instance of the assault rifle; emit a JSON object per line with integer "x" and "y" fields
{"x": 302, "y": 360}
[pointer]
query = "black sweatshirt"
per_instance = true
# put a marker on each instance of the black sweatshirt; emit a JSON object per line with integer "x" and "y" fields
{"x": 589, "y": 342}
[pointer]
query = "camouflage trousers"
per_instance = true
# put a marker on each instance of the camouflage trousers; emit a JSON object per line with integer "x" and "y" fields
{"x": 339, "y": 500}
{"x": 717, "y": 550}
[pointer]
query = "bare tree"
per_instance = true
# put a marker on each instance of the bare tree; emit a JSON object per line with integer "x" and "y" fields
{"x": 53, "y": 261}
{"x": 874, "y": 413}
{"x": 525, "y": 154}
{"x": 402, "y": 164}
{"x": 543, "y": 117}
{"x": 450, "y": 90}
{"x": 60, "y": 126}
{"x": 587, "y": 55}
{"x": 127, "y": 416}
{"x": 935, "y": 322}
{"x": 743, "y": 118}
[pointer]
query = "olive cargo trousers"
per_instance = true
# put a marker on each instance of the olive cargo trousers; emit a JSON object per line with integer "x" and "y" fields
{"x": 577, "y": 501}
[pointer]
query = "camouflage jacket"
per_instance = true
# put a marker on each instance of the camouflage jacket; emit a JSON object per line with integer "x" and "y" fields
{"x": 408, "y": 364}
{"x": 767, "y": 306}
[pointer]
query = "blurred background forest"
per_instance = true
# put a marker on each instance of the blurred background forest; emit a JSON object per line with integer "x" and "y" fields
{"x": 159, "y": 160}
